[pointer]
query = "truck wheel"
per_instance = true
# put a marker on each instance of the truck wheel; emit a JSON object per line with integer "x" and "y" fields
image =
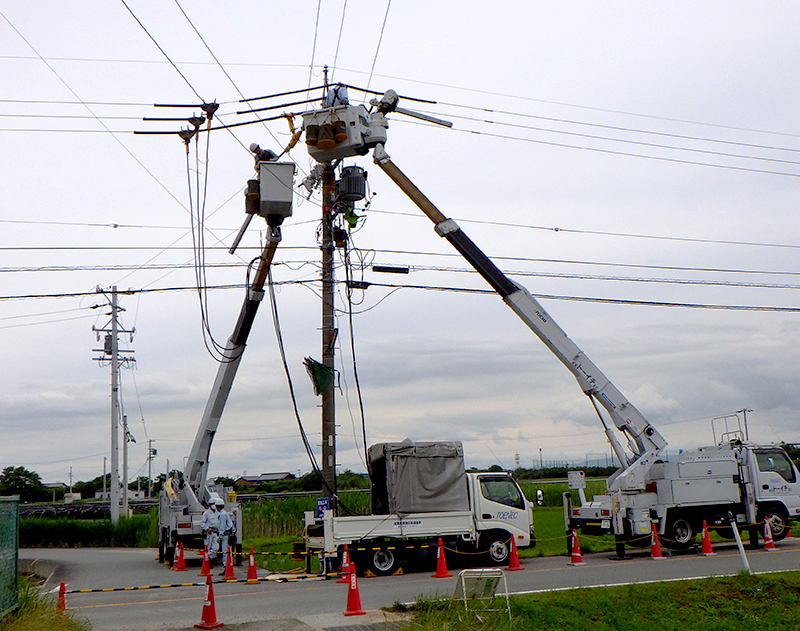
{"x": 383, "y": 562}
{"x": 498, "y": 549}
{"x": 679, "y": 534}
{"x": 778, "y": 522}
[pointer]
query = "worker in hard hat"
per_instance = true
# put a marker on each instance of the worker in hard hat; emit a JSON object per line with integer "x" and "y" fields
{"x": 209, "y": 524}
{"x": 225, "y": 527}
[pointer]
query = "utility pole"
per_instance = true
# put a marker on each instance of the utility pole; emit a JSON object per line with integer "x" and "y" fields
{"x": 125, "y": 436}
{"x": 111, "y": 349}
{"x": 329, "y": 334}
{"x": 151, "y": 453}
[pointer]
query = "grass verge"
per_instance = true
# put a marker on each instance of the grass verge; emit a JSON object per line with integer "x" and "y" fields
{"x": 37, "y": 612}
{"x": 737, "y": 603}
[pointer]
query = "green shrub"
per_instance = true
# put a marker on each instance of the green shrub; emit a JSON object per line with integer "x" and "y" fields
{"x": 139, "y": 531}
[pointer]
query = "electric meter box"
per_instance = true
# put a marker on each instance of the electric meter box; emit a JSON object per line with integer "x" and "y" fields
{"x": 276, "y": 183}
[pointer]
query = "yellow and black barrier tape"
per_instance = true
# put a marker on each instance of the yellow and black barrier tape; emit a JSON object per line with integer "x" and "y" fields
{"x": 274, "y": 578}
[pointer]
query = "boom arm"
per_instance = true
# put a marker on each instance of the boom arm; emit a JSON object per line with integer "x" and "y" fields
{"x": 643, "y": 439}
{"x": 197, "y": 464}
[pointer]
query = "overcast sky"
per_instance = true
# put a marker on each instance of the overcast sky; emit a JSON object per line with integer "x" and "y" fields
{"x": 635, "y": 164}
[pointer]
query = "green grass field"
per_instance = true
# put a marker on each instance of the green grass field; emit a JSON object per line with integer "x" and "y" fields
{"x": 737, "y": 603}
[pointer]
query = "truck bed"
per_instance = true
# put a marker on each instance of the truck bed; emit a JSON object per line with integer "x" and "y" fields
{"x": 341, "y": 530}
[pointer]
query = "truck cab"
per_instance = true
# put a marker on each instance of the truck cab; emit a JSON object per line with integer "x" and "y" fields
{"x": 501, "y": 512}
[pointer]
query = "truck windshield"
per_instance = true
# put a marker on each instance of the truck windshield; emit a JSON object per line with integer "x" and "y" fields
{"x": 776, "y": 461}
{"x": 503, "y": 491}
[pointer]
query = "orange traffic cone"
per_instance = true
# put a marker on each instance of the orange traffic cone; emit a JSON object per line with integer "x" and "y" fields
{"x": 769, "y": 544}
{"x": 655, "y": 547}
{"x": 705, "y": 549}
{"x": 252, "y": 575}
{"x": 576, "y": 551}
{"x": 229, "y": 575}
{"x": 441, "y": 565}
{"x": 180, "y": 562}
{"x": 209, "y": 618}
{"x": 513, "y": 561}
{"x": 353, "y": 599}
{"x": 61, "y": 604}
{"x": 205, "y": 570}
{"x": 345, "y": 566}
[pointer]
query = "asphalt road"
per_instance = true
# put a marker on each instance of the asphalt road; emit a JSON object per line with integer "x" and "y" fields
{"x": 316, "y": 604}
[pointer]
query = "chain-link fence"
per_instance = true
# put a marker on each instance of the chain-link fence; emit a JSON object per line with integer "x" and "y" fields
{"x": 9, "y": 553}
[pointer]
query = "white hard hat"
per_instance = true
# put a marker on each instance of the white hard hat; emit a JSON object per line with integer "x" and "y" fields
{"x": 219, "y": 502}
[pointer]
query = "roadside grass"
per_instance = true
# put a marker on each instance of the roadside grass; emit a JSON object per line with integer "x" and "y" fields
{"x": 139, "y": 531}
{"x": 274, "y": 554}
{"x": 737, "y": 603}
{"x": 37, "y": 612}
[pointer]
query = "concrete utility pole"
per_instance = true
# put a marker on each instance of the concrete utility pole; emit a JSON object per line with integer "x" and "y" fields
{"x": 111, "y": 349}
{"x": 114, "y": 498}
{"x": 151, "y": 453}
{"x": 329, "y": 334}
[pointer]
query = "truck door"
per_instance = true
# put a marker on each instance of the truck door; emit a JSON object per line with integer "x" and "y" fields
{"x": 777, "y": 480}
{"x": 501, "y": 504}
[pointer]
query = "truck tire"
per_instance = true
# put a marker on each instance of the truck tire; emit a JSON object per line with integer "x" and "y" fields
{"x": 384, "y": 562}
{"x": 778, "y": 522}
{"x": 497, "y": 548}
{"x": 680, "y": 533}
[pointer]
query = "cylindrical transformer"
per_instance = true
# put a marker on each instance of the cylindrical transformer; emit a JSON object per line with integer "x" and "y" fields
{"x": 352, "y": 185}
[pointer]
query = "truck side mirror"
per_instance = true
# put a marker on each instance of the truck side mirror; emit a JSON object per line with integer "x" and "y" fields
{"x": 539, "y": 497}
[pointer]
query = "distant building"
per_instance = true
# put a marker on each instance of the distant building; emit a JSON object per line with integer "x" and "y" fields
{"x": 254, "y": 480}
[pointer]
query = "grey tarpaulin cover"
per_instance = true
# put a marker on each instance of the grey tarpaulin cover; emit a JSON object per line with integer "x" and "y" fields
{"x": 424, "y": 477}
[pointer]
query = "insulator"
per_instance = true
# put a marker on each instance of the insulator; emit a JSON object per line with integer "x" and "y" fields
{"x": 312, "y": 135}
{"x": 352, "y": 185}
{"x": 326, "y": 140}
{"x": 339, "y": 131}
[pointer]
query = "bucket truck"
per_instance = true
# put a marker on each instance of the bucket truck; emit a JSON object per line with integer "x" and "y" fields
{"x": 181, "y": 503}
{"x": 735, "y": 477}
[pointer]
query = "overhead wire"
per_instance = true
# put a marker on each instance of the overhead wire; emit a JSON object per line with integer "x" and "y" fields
{"x": 380, "y": 40}
{"x": 616, "y": 152}
{"x": 85, "y": 105}
{"x": 314, "y": 44}
{"x": 638, "y": 142}
{"x": 225, "y": 72}
{"x": 163, "y": 52}
{"x": 339, "y": 39}
{"x": 579, "y": 106}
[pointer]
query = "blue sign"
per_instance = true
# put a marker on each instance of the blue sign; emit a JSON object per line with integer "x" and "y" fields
{"x": 323, "y": 504}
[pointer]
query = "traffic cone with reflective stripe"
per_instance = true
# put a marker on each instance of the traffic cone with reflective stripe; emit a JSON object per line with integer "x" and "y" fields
{"x": 576, "y": 551}
{"x": 345, "y": 566}
{"x": 180, "y": 562}
{"x": 61, "y": 604}
{"x": 441, "y": 564}
{"x": 513, "y": 561}
{"x": 205, "y": 570}
{"x": 769, "y": 544}
{"x": 705, "y": 549}
{"x": 209, "y": 618}
{"x": 353, "y": 599}
{"x": 229, "y": 575}
{"x": 655, "y": 547}
{"x": 252, "y": 575}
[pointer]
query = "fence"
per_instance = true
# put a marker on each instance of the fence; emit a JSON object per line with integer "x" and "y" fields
{"x": 9, "y": 553}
